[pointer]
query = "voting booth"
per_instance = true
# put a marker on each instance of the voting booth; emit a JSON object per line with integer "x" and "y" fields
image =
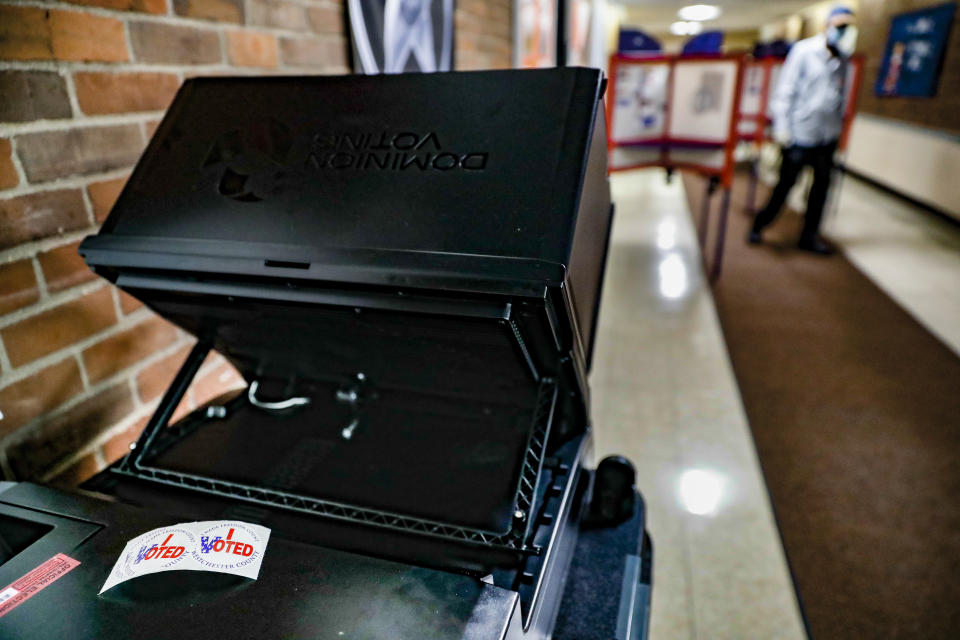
{"x": 759, "y": 79}
{"x": 756, "y": 89}
{"x": 678, "y": 112}
{"x": 757, "y": 86}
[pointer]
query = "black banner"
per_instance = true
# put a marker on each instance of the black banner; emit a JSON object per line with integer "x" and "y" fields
{"x": 397, "y": 36}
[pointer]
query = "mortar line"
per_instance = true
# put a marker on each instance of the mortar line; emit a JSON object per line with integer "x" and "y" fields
{"x": 170, "y": 19}
{"x": 41, "y": 281}
{"x": 88, "y": 203}
{"x": 16, "y": 374}
{"x": 4, "y": 358}
{"x": 67, "y": 76}
{"x": 84, "y": 376}
{"x": 52, "y": 301}
{"x": 94, "y": 389}
{"x": 94, "y": 446}
{"x": 82, "y": 121}
{"x": 33, "y": 247}
{"x": 18, "y": 167}
{"x": 60, "y": 184}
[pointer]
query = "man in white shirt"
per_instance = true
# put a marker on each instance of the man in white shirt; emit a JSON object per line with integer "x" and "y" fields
{"x": 808, "y": 107}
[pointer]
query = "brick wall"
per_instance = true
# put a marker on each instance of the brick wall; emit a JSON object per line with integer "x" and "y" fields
{"x": 83, "y": 85}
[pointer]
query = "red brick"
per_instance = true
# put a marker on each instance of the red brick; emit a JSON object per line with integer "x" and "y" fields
{"x": 33, "y": 95}
{"x": 326, "y": 19}
{"x": 222, "y": 379}
{"x": 78, "y": 472}
{"x": 57, "y": 438}
{"x": 127, "y": 348}
{"x": 154, "y": 379}
{"x": 8, "y": 173}
{"x": 141, "y": 6}
{"x": 25, "y": 34}
{"x": 153, "y": 42}
{"x": 128, "y": 304}
{"x": 28, "y": 33}
{"x": 54, "y": 154}
{"x": 80, "y": 36}
{"x": 18, "y": 286}
{"x": 476, "y": 7}
{"x": 103, "y": 195}
{"x": 246, "y": 49}
{"x": 119, "y": 445}
{"x": 38, "y": 394}
{"x": 56, "y": 328}
{"x": 467, "y": 43}
{"x": 39, "y": 215}
{"x": 183, "y": 409}
{"x": 212, "y": 359}
{"x": 100, "y": 93}
{"x": 217, "y": 10}
{"x": 313, "y": 52}
{"x": 150, "y": 128}
{"x": 278, "y": 13}
{"x": 64, "y": 268}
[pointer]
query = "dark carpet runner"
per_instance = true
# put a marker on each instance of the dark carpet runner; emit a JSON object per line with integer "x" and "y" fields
{"x": 855, "y": 411}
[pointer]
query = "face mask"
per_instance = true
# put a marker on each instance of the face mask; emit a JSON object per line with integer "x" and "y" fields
{"x": 843, "y": 39}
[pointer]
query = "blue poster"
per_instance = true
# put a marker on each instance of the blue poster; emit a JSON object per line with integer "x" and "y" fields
{"x": 915, "y": 50}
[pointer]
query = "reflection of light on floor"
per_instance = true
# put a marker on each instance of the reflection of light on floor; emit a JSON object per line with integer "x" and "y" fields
{"x": 673, "y": 277}
{"x": 667, "y": 235}
{"x": 700, "y": 491}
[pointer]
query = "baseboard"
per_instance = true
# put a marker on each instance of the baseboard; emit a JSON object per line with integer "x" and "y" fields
{"x": 943, "y": 215}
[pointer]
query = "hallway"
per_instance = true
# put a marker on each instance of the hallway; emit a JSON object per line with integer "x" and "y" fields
{"x": 664, "y": 393}
{"x": 665, "y": 396}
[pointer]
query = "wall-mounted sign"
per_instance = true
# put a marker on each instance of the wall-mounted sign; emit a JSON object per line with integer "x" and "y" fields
{"x": 397, "y": 36}
{"x": 915, "y": 50}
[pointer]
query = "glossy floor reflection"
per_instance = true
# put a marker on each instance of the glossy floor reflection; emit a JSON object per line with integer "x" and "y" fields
{"x": 665, "y": 396}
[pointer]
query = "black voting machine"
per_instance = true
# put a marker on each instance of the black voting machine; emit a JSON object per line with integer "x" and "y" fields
{"x": 406, "y": 270}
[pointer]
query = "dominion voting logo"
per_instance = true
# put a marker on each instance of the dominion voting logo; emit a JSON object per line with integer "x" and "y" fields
{"x": 251, "y": 163}
{"x": 391, "y": 151}
{"x": 260, "y": 161}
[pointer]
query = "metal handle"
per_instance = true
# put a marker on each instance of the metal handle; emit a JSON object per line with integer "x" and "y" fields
{"x": 273, "y": 406}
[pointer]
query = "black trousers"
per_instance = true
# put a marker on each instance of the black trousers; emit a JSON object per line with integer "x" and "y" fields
{"x": 795, "y": 158}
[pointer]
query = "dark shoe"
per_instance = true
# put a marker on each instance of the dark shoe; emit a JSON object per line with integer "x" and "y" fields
{"x": 815, "y": 245}
{"x": 754, "y": 237}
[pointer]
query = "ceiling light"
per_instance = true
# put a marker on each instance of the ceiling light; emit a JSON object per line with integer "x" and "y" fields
{"x": 681, "y": 28}
{"x": 699, "y": 12}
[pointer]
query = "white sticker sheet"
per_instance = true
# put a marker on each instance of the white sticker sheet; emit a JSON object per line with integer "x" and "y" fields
{"x": 225, "y": 546}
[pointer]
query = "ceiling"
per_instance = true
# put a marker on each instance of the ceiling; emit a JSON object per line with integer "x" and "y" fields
{"x": 655, "y": 16}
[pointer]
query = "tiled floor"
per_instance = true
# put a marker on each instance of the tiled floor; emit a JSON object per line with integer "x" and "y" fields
{"x": 664, "y": 395}
{"x": 911, "y": 254}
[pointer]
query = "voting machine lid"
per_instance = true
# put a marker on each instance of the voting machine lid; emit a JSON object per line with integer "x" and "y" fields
{"x": 473, "y": 181}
